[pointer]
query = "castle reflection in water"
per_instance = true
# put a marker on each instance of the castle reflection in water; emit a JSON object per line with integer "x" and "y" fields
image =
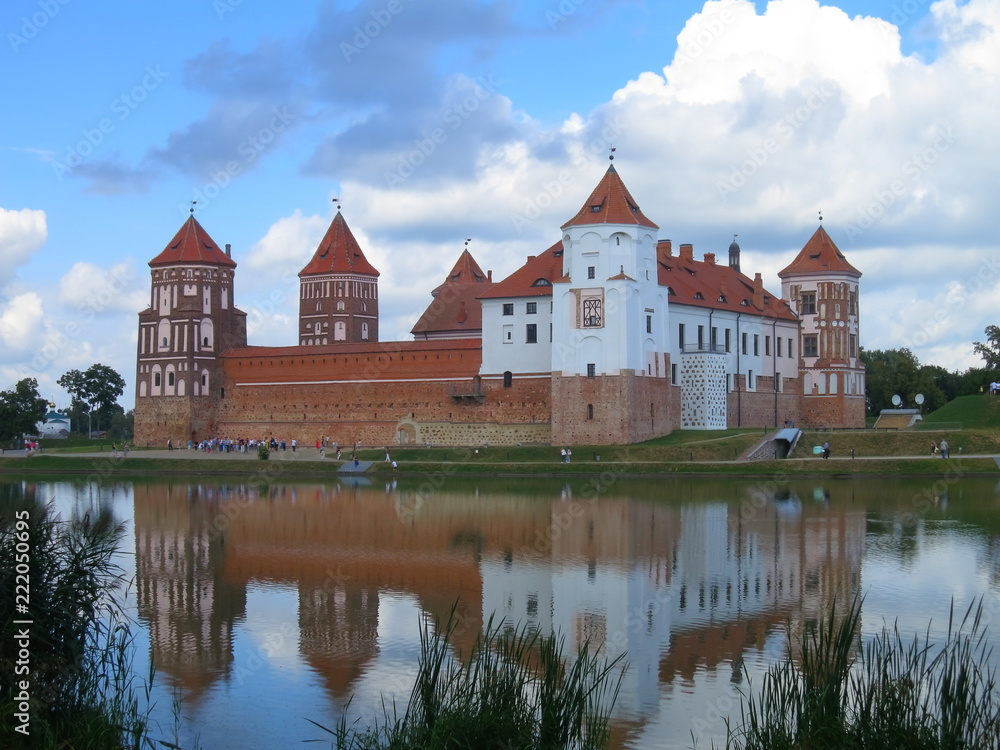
{"x": 691, "y": 577}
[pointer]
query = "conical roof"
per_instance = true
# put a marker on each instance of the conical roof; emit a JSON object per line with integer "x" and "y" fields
{"x": 820, "y": 255}
{"x": 610, "y": 203}
{"x": 192, "y": 244}
{"x": 338, "y": 252}
{"x": 455, "y": 307}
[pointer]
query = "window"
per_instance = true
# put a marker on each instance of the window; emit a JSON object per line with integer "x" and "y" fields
{"x": 591, "y": 272}
{"x": 649, "y": 324}
{"x": 751, "y": 383}
{"x": 531, "y": 333}
{"x": 807, "y": 303}
{"x": 790, "y": 348}
{"x": 744, "y": 343}
{"x": 852, "y": 303}
{"x": 680, "y": 336}
{"x": 508, "y": 334}
{"x": 777, "y": 344}
{"x": 715, "y": 338}
{"x": 767, "y": 345}
{"x": 156, "y": 380}
{"x": 853, "y": 342}
{"x": 701, "y": 337}
{"x": 673, "y": 373}
{"x": 508, "y": 378}
{"x": 508, "y": 308}
{"x": 756, "y": 345}
{"x": 810, "y": 345}
{"x": 170, "y": 379}
{"x": 591, "y": 370}
{"x": 531, "y": 308}
{"x": 364, "y": 331}
{"x": 590, "y": 411}
{"x": 729, "y": 344}
{"x": 593, "y": 312}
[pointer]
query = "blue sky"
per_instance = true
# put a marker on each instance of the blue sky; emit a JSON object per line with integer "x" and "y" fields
{"x": 438, "y": 120}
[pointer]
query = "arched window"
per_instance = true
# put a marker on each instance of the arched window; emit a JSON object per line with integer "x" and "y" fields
{"x": 364, "y": 331}
{"x": 339, "y": 331}
{"x": 340, "y": 305}
{"x": 508, "y": 378}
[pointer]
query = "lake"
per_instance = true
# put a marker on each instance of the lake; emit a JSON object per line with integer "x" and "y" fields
{"x": 263, "y": 605}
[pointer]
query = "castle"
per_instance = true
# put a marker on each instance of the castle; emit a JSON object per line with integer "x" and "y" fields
{"x": 606, "y": 337}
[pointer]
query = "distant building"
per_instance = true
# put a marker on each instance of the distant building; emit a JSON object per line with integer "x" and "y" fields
{"x": 606, "y": 337}
{"x": 55, "y": 425}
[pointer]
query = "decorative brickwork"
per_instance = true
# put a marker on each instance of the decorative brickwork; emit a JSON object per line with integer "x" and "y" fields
{"x": 703, "y": 385}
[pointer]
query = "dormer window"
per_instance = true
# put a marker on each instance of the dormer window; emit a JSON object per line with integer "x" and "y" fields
{"x": 699, "y": 295}
{"x": 595, "y": 209}
{"x": 541, "y": 282}
{"x": 745, "y": 303}
{"x": 722, "y": 298}
{"x": 670, "y": 291}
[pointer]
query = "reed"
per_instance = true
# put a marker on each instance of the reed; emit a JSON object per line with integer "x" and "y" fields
{"x": 889, "y": 692}
{"x": 83, "y": 690}
{"x": 515, "y": 690}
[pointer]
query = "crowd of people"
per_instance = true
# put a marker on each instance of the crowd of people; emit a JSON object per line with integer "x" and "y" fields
{"x": 251, "y": 445}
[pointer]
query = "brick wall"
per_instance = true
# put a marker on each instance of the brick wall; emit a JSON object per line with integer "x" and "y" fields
{"x": 626, "y": 409}
{"x": 761, "y": 407}
{"x": 833, "y": 411}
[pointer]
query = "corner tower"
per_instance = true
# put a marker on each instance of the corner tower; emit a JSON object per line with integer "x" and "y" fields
{"x": 822, "y": 288}
{"x": 338, "y": 291}
{"x": 191, "y": 320}
{"x": 609, "y": 325}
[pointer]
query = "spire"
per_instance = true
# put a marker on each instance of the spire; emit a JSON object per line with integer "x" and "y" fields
{"x": 610, "y": 203}
{"x": 455, "y": 310}
{"x": 820, "y": 255}
{"x": 192, "y": 244}
{"x": 338, "y": 252}
{"x": 734, "y": 255}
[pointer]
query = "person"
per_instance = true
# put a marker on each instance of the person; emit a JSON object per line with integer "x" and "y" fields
{"x": 114, "y": 451}
{"x": 170, "y": 444}
{"x": 563, "y": 454}
{"x": 294, "y": 443}
{"x": 338, "y": 452}
{"x": 393, "y": 467}
{"x": 388, "y": 458}
{"x": 569, "y": 455}
{"x": 934, "y": 448}
{"x": 826, "y": 450}
{"x": 944, "y": 449}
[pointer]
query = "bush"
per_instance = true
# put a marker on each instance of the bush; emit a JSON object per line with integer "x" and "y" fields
{"x": 263, "y": 452}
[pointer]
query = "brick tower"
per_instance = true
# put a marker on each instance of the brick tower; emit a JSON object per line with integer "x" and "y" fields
{"x": 191, "y": 320}
{"x": 823, "y": 289}
{"x": 338, "y": 291}
{"x": 610, "y": 381}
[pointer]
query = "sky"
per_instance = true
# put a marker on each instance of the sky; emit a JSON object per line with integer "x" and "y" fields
{"x": 437, "y": 121}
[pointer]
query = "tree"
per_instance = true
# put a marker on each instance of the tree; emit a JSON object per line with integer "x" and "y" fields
{"x": 21, "y": 409}
{"x": 990, "y": 351}
{"x": 97, "y": 388}
{"x": 888, "y": 373}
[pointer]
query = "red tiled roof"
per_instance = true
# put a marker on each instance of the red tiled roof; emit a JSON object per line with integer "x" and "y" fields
{"x": 524, "y": 282}
{"x": 338, "y": 252}
{"x": 690, "y": 278}
{"x": 610, "y": 203}
{"x": 373, "y": 347}
{"x": 455, "y": 308}
{"x": 820, "y": 255}
{"x": 192, "y": 244}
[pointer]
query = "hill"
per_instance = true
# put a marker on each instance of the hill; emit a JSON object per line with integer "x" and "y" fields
{"x": 978, "y": 412}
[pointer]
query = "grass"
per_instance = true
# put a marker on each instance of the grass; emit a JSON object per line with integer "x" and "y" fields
{"x": 977, "y": 412}
{"x": 888, "y": 693}
{"x": 515, "y": 690}
{"x": 79, "y": 644}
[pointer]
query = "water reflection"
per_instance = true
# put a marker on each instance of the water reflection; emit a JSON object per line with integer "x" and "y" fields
{"x": 300, "y": 596}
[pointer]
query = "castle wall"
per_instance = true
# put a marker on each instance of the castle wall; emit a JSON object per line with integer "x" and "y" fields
{"x": 762, "y": 407}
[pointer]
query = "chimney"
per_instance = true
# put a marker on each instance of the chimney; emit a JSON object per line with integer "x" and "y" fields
{"x": 664, "y": 248}
{"x": 531, "y": 258}
{"x": 229, "y": 253}
{"x": 687, "y": 251}
{"x": 758, "y": 292}
{"x": 489, "y": 276}
{"x": 710, "y": 259}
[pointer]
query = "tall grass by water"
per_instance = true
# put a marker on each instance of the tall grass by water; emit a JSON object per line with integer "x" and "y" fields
{"x": 517, "y": 689}
{"x": 833, "y": 691}
{"x": 76, "y": 653}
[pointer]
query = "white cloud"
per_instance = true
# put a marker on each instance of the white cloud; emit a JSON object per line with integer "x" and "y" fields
{"x": 21, "y": 321}
{"x": 91, "y": 289}
{"x": 21, "y": 234}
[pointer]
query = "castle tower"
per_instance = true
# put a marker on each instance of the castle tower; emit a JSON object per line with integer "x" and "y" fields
{"x": 338, "y": 291}
{"x": 823, "y": 289}
{"x": 455, "y": 312}
{"x": 191, "y": 320}
{"x": 609, "y": 341}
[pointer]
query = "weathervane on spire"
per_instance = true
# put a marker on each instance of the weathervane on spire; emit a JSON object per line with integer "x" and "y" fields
{"x": 820, "y": 217}
{"x": 467, "y": 241}
{"x": 611, "y": 156}
{"x": 192, "y": 207}
{"x": 337, "y": 201}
